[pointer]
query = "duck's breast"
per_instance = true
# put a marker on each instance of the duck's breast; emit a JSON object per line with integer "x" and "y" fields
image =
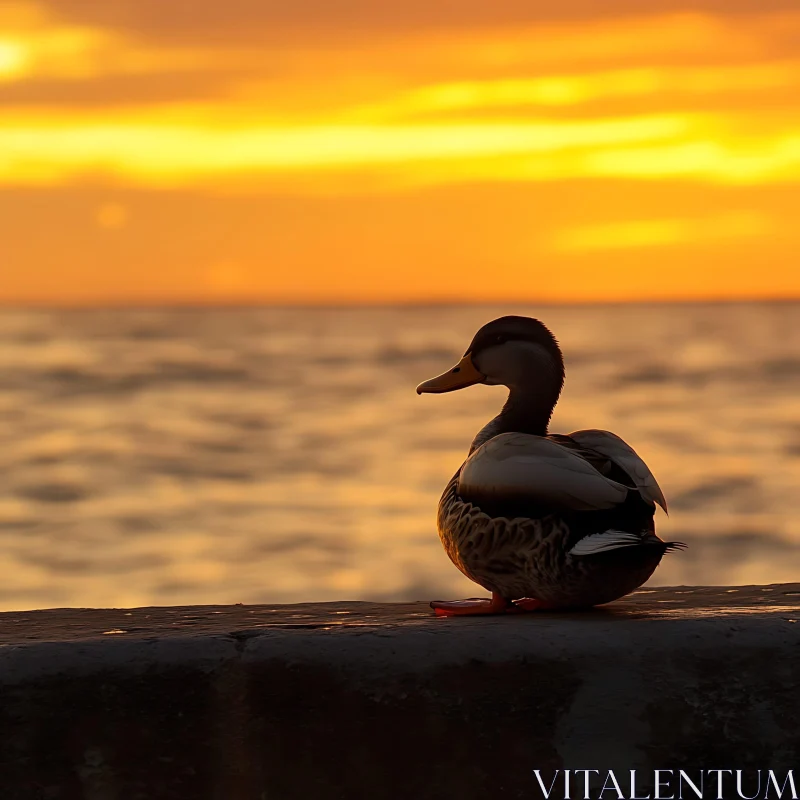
{"x": 509, "y": 555}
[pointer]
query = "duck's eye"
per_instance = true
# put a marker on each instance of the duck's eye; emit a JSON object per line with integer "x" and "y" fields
{"x": 500, "y": 339}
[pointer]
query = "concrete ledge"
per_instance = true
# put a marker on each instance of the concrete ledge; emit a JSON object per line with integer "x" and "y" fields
{"x": 360, "y": 700}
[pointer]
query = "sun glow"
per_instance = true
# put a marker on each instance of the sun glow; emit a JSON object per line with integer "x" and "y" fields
{"x": 12, "y": 59}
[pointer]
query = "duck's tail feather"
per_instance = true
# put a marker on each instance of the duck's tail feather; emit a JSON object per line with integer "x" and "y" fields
{"x": 614, "y": 540}
{"x": 603, "y": 542}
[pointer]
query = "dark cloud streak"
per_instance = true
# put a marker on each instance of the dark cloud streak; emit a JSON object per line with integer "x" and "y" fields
{"x": 213, "y": 22}
{"x": 109, "y": 91}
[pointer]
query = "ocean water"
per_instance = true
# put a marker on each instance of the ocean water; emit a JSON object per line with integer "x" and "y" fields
{"x": 282, "y": 455}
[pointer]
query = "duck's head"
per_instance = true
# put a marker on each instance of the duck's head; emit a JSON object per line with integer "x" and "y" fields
{"x": 517, "y": 352}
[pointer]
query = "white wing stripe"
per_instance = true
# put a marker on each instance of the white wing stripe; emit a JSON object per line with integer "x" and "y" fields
{"x": 603, "y": 542}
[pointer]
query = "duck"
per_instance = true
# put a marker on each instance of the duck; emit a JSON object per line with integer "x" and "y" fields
{"x": 541, "y": 520}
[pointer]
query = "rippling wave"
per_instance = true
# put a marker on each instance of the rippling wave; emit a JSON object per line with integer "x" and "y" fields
{"x": 277, "y": 455}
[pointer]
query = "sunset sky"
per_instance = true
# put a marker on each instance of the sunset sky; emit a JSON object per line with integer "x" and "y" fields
{"x": 319, "y": 151}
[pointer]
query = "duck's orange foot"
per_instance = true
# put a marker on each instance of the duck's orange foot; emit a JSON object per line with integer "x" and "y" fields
{"x": 463, "y": 608}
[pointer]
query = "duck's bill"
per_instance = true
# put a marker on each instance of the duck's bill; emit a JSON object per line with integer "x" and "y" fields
{"x": 460, "y": 376}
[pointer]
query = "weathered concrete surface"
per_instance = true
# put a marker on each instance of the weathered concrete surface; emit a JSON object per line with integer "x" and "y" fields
{"x": 358, "y": 700}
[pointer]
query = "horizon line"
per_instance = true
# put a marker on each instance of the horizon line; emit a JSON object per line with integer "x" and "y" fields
{"x": 243, "y": 305}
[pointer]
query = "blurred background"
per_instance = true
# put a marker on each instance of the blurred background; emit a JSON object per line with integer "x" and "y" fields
{"x": 235, "y": 236}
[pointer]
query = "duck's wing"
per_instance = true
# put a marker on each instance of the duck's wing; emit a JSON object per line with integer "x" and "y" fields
{"x": 518, "y": 467}
{"x": 624, "y": 456}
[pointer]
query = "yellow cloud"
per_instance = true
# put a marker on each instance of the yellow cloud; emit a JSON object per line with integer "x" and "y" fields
{"x": 153, "y": 152}
{"x": 566, "y": 90}
{"x": 758, "y": 159}
{"x": 188, "y": 147}
{"x": 658, "y": 232}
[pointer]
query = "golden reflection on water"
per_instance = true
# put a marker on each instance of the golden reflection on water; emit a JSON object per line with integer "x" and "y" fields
{"x": 283, "y": 456}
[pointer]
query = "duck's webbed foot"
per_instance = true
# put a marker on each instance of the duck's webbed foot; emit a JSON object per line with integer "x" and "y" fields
{"x": 461, "y": 608}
